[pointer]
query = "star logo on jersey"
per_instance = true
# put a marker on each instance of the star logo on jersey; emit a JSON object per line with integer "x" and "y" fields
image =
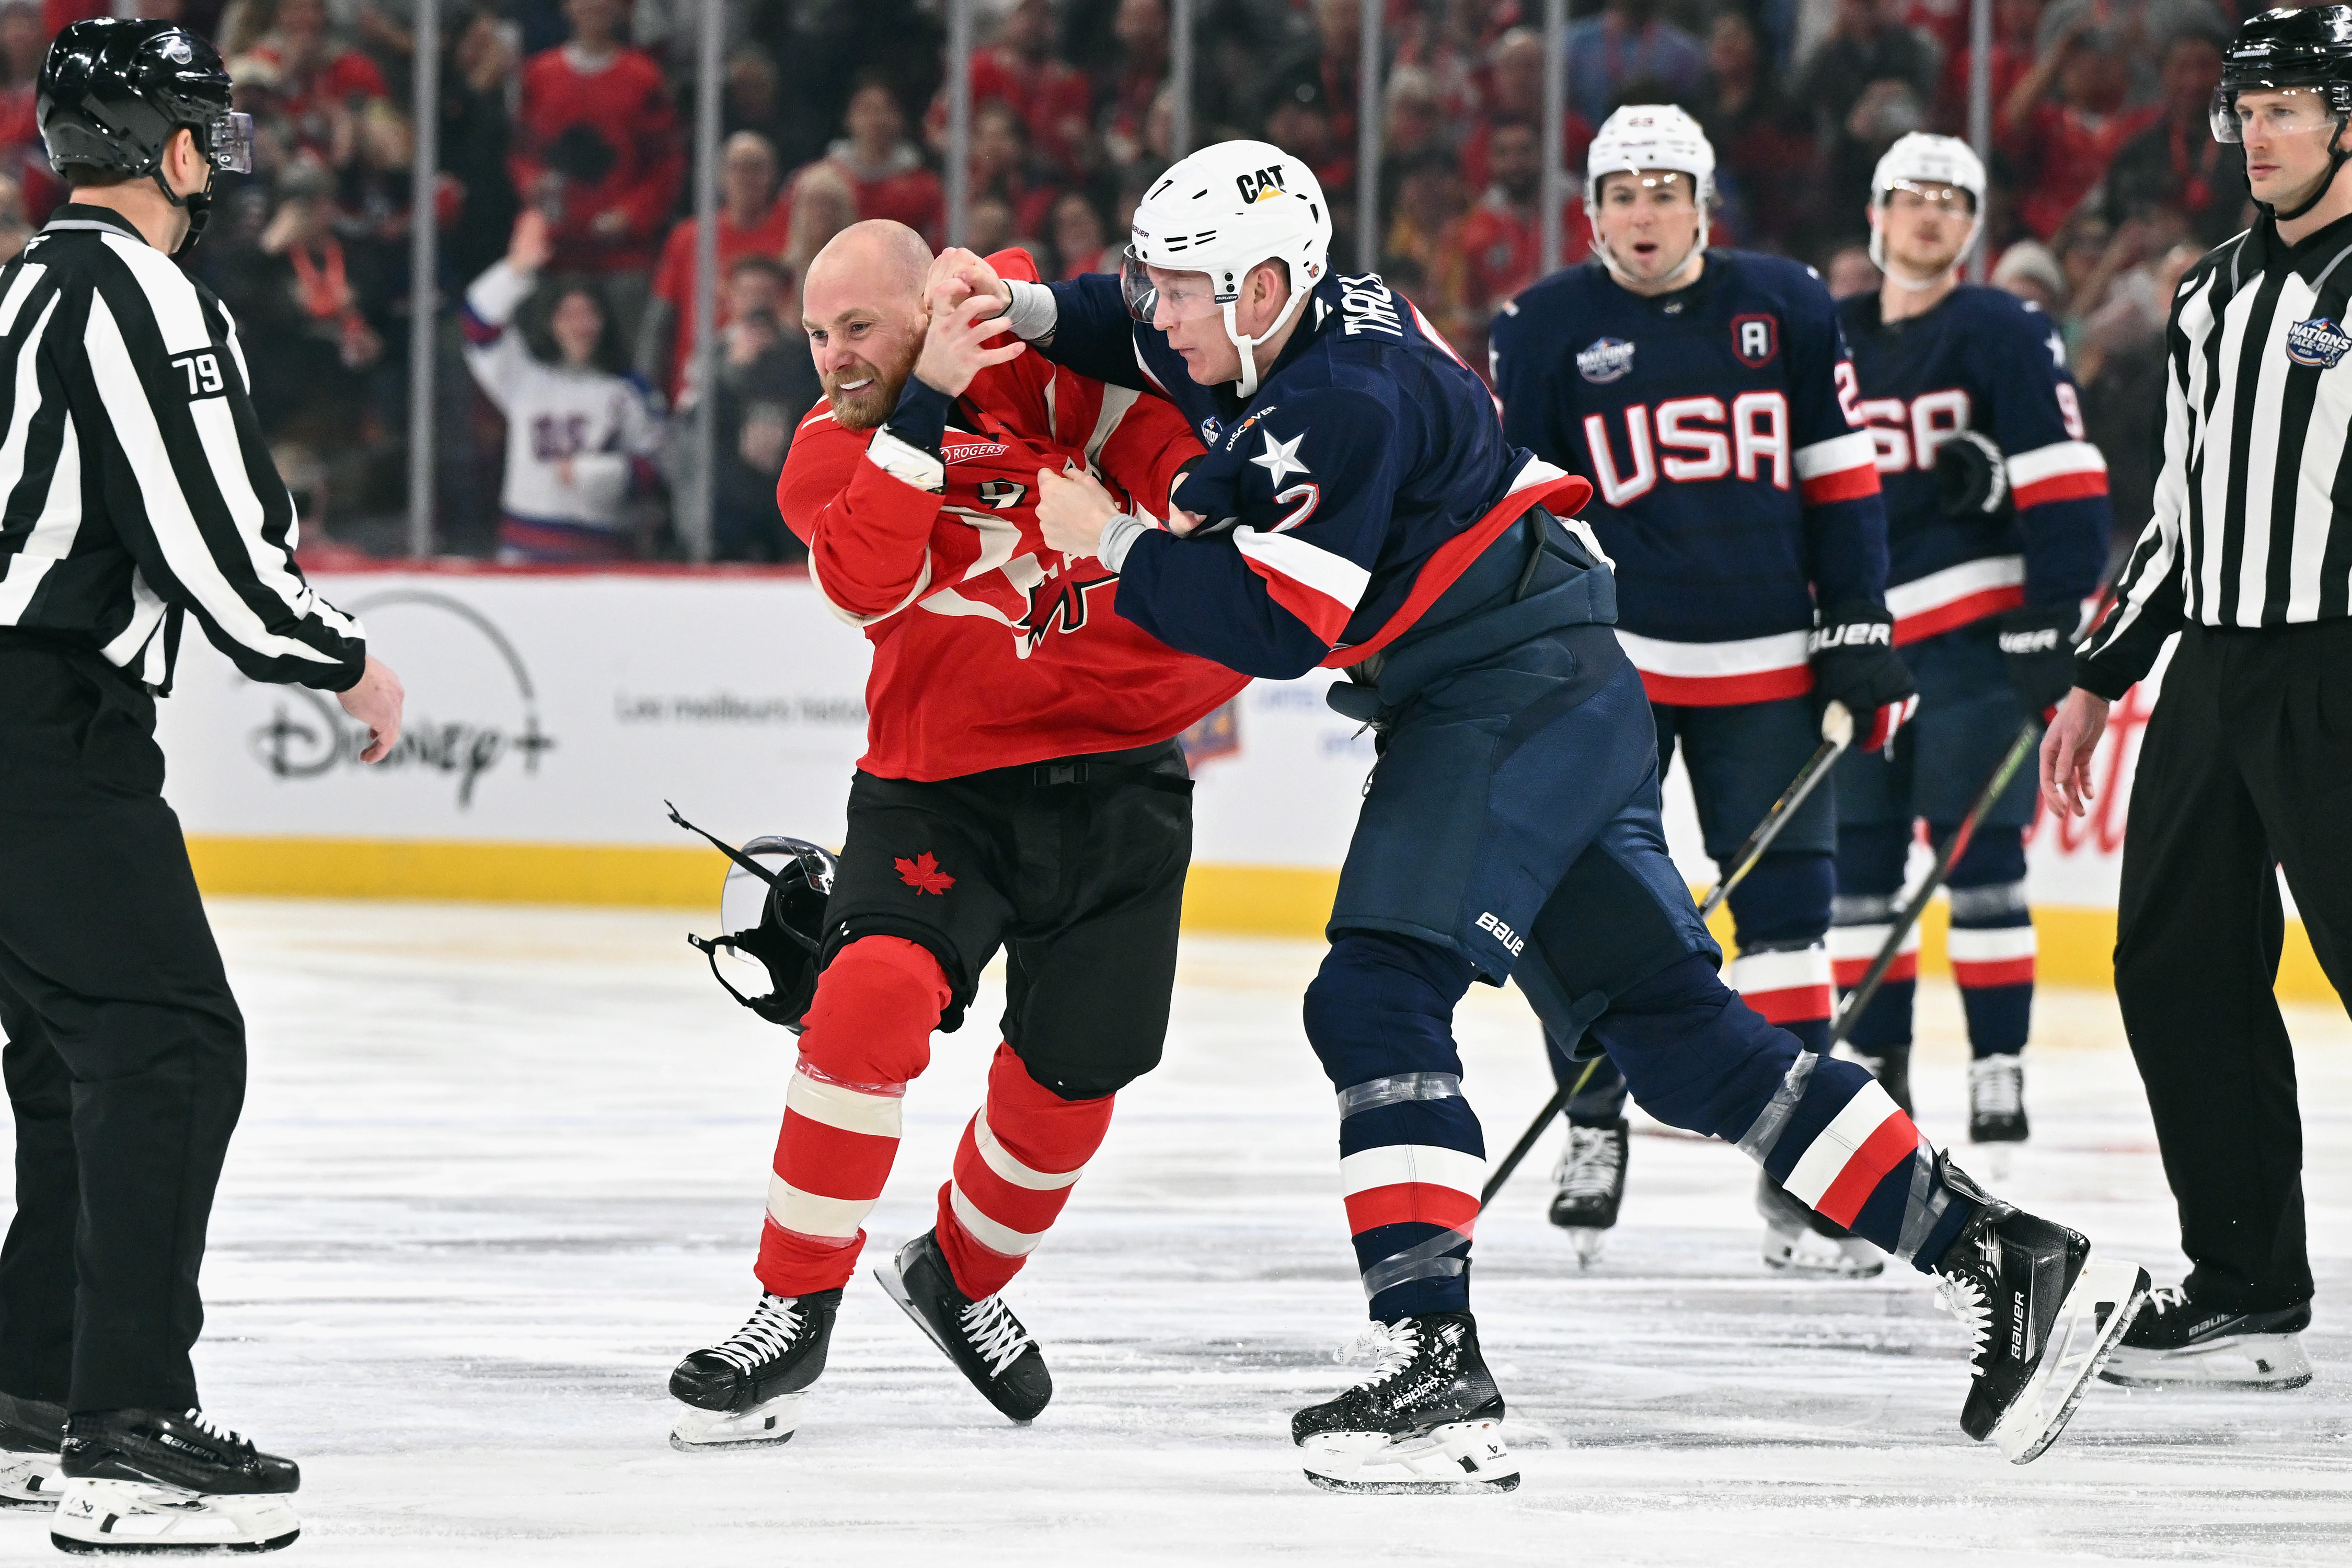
{"x": 2318, "y": 343}
{"x": 1605, "y": 360}
{"x": 923, "y": 874}
{"x": 1280, "y": 458}
{"x": 2057, "y": 347}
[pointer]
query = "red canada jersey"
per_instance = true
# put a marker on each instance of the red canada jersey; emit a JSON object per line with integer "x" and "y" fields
{"x": 992, "y": 650}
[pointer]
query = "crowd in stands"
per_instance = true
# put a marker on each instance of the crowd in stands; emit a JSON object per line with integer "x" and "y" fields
{"x": 575, "y": 115}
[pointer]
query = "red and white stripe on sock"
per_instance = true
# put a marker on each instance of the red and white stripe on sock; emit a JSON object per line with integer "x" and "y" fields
{"x": 1411, "y": 1184}
{"x": 1789, "y": 986}
{"x": 1868, "y": 1139}
{"x": 1986, "y": 957}
{"x": 1022, "y": 1153}
{"x": 1852, "y": 949}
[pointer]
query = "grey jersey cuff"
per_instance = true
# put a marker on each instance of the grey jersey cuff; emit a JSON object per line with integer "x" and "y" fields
{"x": 1034, "y": 313}
{"x": 1119, "y": 537}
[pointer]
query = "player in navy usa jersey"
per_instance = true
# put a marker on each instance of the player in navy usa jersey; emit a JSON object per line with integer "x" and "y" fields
{"x": 1998, "y": 525}
{"x": 1706, "y": 395}
{"x": 1359, "y": 508}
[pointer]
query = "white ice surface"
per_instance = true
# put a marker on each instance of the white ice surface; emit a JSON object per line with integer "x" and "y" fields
{"x": 501, "y": 1167}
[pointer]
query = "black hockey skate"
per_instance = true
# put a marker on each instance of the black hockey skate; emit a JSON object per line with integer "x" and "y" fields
{"x": 145, "y": 1481}
{"x": 1799, "y": 1241}
{"x": 983, "y": 1338}
{"x": 2175, "y": 1343}
{"x": 1997, "y": 1099}
{"x": 31, "y": 1433}
{"x": 746, "y": 1390}
{"x": 1589, "y": 1185}
{"x": 1892, "y": 1069}
{"x": 2040, "y": 1312}
{"x": 1428, "y": 1419}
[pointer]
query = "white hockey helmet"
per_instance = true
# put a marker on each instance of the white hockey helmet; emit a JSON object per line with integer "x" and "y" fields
{"x": 1223, "y": 211}
{"x": 1641, "y": 136}
{"x": 1920, "y": 159}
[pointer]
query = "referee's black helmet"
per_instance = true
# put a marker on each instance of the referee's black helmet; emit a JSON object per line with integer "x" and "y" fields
{"x": 2285, "y": 49}
{"x": 113, "y": 90}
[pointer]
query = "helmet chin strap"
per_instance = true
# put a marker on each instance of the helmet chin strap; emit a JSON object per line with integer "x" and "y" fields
{"x": 2337, "y": 156}
{"x": 1245, "y": 384}
{"x": 1609, "y": 258}
{"x": 198, "y": 205}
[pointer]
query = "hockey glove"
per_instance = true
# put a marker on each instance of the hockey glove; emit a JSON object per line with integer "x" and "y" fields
{"x": 2037, "y": 643}
{"x": 1855, "y": 663}
{"x": 1972, "y": 481}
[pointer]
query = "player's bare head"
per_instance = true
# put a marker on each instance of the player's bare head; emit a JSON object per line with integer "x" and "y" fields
{"x": 862, "y": 303}
{"x": 1924, "y": 225}
{"x": 1649, "y": 220}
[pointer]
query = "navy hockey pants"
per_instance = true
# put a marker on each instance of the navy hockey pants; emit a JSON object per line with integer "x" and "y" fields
{"x": 1511, "y": 828}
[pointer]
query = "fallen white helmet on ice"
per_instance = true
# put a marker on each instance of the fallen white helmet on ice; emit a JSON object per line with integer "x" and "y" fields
{"x": 1920, "y": 159}
{"x": 1639, "y": 137}
{"x": 1223, "y": 211}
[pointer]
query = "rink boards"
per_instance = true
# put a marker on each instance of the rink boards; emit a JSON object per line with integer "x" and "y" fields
{"x": 552, "y": 713}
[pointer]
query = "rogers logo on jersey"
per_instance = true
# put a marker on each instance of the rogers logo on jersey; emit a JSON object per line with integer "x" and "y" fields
{"x": 965, "y": 451}
{"x": 1605, "y": 360}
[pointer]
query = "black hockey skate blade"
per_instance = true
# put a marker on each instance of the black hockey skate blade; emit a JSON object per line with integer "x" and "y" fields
{"x": 686, "y": 1448}
{"x": 2111, "y": 1332}
{"x": 74, "y": 1548}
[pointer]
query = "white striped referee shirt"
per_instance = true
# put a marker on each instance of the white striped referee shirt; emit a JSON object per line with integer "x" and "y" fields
{"x": 2253, "y": 503}
{"x": 135, "y": 485}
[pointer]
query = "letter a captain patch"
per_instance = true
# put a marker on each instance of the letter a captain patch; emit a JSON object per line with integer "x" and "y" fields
{"x": 1755, "y": 340}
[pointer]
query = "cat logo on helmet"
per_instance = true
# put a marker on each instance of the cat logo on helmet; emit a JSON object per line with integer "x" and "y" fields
{"x": 780, "y": 910}
{"x": 1261, "y": 184}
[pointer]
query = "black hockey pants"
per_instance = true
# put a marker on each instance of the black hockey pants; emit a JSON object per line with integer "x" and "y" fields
{"x": 125, "y": 1058}
{"x": 2247, "y": 763}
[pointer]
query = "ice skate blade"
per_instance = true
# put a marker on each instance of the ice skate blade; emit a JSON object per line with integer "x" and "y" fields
{"x": 768, "y": 1425}
{"x": 2106, "y": 1296}
{"x": 106, "y": 1517}
{"x": 1808, "y": 1256}
{"x": 2273, "y": 1362}
{"x": 1994, "y": 1159}
{"x": 29, "y": 1481}
{"x": 1588, "y": 1244}
{"x": 1465, "y": 1457}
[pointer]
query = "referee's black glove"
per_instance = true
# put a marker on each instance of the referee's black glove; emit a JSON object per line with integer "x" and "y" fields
{"x": 2037, "y": 643}
{"x": 1855, "y": 663}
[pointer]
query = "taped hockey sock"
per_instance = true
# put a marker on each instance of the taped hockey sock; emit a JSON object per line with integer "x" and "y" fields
{"x": 1992, "y": 943}
{"x": 1022, "y": 1152}
{"x": 1845, "y": 1150}
{"x": 868, "y": 1033}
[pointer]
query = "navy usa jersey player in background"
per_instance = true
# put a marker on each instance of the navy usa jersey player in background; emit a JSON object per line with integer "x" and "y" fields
{"x": 1996, "y": 529}
{"x": 1358, "y": 507}
{"x": 1706, "y": 395}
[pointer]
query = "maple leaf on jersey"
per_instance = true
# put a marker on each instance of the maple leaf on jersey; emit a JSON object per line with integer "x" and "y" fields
{"x": 923, "y": 874}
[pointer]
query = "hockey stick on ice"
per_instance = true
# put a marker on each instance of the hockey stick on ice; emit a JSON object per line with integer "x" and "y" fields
{"x": 1837, "y": 728}
{"x": 2029, "y": 740}
{"x": 1553, "y": 1106}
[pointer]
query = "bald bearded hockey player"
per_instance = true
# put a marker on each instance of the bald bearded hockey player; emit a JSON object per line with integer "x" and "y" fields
{"x": 1998, "y": 524}
{"x": 1359, "y": 508}
{"x": 1707, "y": 394}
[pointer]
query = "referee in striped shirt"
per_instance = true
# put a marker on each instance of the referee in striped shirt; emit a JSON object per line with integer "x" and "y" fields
{"x": 138, "y": 491}
{"x": 2247, "y": 761}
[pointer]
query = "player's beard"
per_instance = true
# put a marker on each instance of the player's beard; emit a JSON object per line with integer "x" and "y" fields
{"x": 863, "y": 408}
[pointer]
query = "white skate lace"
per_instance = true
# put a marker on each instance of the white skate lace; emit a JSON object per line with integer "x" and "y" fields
{"x": 1996, "y": 1085}
{"x": 2167, "y": 1299}
{"x": 1390, "y": 1347}
{"x": 1588, "y": 1165}
{"x": 213, "y": 1429}
{"x": 774, "y": 1325}
{"x": 1965, "y": 1300}
{"x": 992, "y": 1331}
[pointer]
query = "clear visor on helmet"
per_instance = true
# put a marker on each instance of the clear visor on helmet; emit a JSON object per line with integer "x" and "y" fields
{"x": 1928, "y": 196}
{"x": 2271, "y": 111}
{"x": 231, "y": 139}
{"x": 1176, "y": 297}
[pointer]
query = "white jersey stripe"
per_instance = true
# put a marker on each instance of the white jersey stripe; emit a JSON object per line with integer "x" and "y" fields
{"x": 1953, "y": 583}
{"x": 1990, "y": 945}
{"x": 1751, "y": 655}
{"x": 1335, "y": 577}
{"x": 1836, "y": 455}
{"x": 2054, "y": 461}
{"x": 1825, "y": 1157}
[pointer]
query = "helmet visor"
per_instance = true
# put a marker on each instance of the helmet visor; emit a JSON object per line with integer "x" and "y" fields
{"x": 2276, "y": 112}
{"x": 230, "y": 138}
{"x": 1174, "y": 297}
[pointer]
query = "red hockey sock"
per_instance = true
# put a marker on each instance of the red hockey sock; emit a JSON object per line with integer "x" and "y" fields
{"x": 870, "y": 1031}
{"x": 1013, "y": 1171}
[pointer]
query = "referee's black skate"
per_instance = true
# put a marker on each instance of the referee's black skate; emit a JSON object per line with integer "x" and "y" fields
{"x": 147, "y": 1481}
{"x": 31, "y": 1433}
{"x": 1589, "y": 1185}
{"x": 745, "y": 1391}
{"x": 2179, "y": 1343}
{"x": 983, "y": 1338}
{"x": 1428, "y": 1419}
{"x": 2041, "y": 1315}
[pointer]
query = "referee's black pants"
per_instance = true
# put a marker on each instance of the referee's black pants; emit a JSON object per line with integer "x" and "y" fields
{"x": 125, "y": 1057}
{"x": 2247, "y": 763}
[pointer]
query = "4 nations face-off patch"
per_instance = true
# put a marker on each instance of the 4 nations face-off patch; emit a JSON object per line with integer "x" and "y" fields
{"x": 1605, "y": 360}
{"x": 2319, "y": 342}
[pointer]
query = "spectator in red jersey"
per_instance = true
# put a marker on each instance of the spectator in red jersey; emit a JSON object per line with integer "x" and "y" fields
{"x": 598, "y": 153}
{"x": 1758, "y": 143}
{"x": 2014, "y": 22}
{"x": 1501, "y": 239}
{"x": 1000, "y": 167}
{"x": 2176, "y": 163}
{"x": 885, "y": 173}
{"x": 1080, "y": 245}
{"x": 2062, "y": 149}
{"x": 302, "y": 77}
{"x": 1515, "y": 70}
{"x": 1054, "y": 100}
{"x": 753, "y": 220}
{"x": 24, "y": 161}
{"x": 1339, "y": 29}
{"x": 1124, "y": 93}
